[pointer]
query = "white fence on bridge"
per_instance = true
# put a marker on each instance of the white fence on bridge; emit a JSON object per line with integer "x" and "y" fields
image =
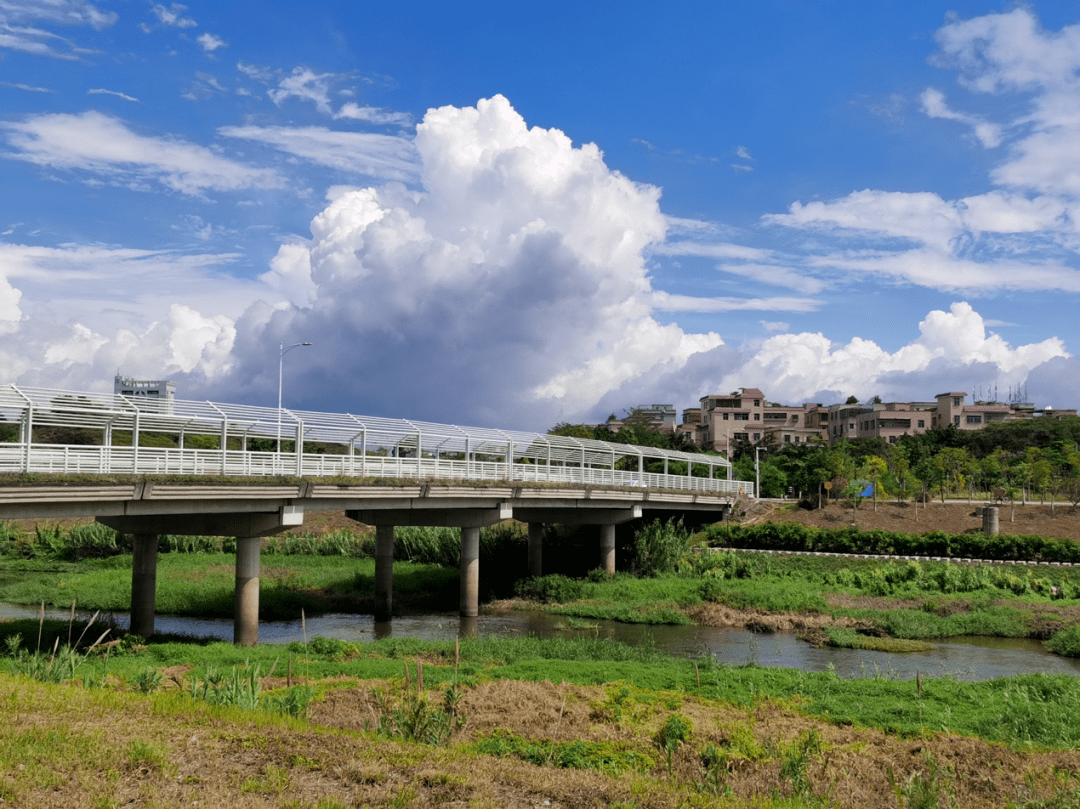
{"x": 346, "y": 445}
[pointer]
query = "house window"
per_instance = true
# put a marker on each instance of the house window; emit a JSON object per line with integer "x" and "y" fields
{"x": 892, "y": 439}
{"x": 956, "y": 401}
{"x": 757, "y": 436}
{"x": 757, "y": 417}
{"x": 787, "y": 439}
{"x": 795, "y": 419}
{"x": 725, "y": 417}
{"x": 757, "y": 402}
{"x": 922, "y": 424}
{"x": 741, "y": 416}
{"x": 955, "y": 419}
{"x": 974, "y": 419}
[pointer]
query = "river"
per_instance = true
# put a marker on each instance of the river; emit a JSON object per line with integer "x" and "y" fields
{"x": 968, "y": 658}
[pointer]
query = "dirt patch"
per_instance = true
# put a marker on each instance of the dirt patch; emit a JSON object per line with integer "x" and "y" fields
{"x": 952, "y": 518}
{"x": 761, "y": 621}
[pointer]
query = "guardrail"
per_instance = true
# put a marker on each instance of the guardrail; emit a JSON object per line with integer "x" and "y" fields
{"x": 83, "y": 459}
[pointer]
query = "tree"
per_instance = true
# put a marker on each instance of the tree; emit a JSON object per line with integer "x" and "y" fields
{"x": 572, "y": 430}
{"x": 874, "y": 470}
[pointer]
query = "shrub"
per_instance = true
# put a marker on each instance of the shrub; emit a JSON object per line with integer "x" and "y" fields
{"x": 658, "y": 548}
{"x": 1066, "y": 642}
{"x": 550, "y": 589}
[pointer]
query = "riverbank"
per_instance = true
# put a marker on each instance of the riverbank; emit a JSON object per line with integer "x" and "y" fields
{"x": 520, "y": 723}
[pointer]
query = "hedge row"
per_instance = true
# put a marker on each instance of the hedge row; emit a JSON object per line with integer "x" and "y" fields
{"x": 796, "y": 537}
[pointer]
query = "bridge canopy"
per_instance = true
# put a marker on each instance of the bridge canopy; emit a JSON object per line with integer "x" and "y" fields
{"x": 341, "y": 433}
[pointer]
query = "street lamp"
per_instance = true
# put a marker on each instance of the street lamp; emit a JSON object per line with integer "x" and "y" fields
{"x": 757, "y": 471}
{"x": 281, "y": 359}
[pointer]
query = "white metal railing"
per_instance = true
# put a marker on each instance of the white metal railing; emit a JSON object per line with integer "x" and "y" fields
{"x": 365, "y": 446}
{"x": 75, "y": 459}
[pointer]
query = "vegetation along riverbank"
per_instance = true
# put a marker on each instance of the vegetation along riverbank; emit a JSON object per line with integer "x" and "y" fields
{"x": 515, "y": 722}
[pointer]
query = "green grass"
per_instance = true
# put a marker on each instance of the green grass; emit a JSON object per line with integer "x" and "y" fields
{"x": 203, "y": 584}
{"x": 1032, "y": 709}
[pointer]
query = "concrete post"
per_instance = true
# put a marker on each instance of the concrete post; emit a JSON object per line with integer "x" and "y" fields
{"x": 536, "y": 549}
{"x": 470, "y": 572}
{"x": 384, "y": 572}
{"x": 246, "y": 600}
{"x": 990, "y": 521}
{"x": 607, "y": 548}
{"x": 143, "y": 584}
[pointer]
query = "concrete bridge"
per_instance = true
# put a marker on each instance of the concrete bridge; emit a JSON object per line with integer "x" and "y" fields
{"x": 149, "y": 480}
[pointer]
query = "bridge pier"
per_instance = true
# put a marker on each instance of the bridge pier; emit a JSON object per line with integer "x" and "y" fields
{"x": 607, "y": 548}
{"x": 246, "y": 597}
{"x": 536, "y": 549}
{"x": 143, "y": 584}
{"x": 470, "y": 572}
{"x": 248, "y": 528}
{"x": 384, "y": 572}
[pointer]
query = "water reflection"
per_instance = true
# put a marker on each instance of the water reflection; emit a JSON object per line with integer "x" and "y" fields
{"x": 960, "y": 658}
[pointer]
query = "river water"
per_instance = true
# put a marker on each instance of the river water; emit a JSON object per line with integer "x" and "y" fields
{"x": 960, "y": 658}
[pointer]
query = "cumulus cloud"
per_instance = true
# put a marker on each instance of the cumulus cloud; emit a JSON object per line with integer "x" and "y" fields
{"x": 103, "y": 146}
{"x": 511, "y": 288}
{"x": 953, "y": 351}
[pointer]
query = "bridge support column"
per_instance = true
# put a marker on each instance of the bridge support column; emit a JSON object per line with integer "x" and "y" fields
{"x": 143, "y": 584}
{"x": 470, "y": 572}
{"x": 536, "y": 549}
{"x": 384, "y": 572}
{"x": 246, "y": 599}
{"x": 607, "y": 548}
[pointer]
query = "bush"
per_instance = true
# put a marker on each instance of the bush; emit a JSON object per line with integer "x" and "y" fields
{"x": 658, "y": 548}
{"x": 1066, "y": 642}
{"x": 550, "y": 589}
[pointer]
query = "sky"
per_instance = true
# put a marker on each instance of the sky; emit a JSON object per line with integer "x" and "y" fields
{"x": 511, "y": 216}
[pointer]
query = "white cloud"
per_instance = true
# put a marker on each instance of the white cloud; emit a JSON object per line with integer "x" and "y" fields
{"x": 774, "y": 325}
{"x": 306, "y": 85}
{"x": 796, "y": 367}
{"x": 743, "y": 153}
{"x": 98, "y": 144}
{"x": 82, "y": 311}
{"x": 362, "y": 153}
{"x": 511, "y": 287}
{"x": 741, "y": 167}
{"x": 173, "y": 16}
{"x": 934, "y": 106}
{"x": 776, "y": 275}
{"x": 210, "y": 43}
{"x": 374, "y": 115}
{"x": 101, "y": 92}
{"x": 666, "y": 302}
{"x": 28, "y": 87}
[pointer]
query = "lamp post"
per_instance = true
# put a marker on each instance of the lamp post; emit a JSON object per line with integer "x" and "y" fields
{"x": 757, "y": 472}
{"x": 281, "y": 360}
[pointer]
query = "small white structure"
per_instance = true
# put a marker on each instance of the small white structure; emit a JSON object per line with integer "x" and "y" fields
{"x": 152, "y": 388}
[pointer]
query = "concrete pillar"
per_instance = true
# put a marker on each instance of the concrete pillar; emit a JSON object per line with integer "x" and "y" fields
{"x": 536, "y": 549}
{"x": 384, "y": 572}
{"x": 990, "y": 521}
{"x": 143, "y": 584}
{"x": 470, "y": 572}
{"x": 607, "y": 548}
{"x": 246, "y": 600}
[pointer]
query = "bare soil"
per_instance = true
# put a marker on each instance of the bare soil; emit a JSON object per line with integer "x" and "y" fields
{"x": 1060, "y": 521}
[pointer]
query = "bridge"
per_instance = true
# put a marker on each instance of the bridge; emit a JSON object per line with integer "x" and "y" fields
{"x": 148, "y": 467}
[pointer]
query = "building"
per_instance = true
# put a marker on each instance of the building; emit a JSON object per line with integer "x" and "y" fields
{"x": 746, "y": 416}
{"x": 155, "y": 389}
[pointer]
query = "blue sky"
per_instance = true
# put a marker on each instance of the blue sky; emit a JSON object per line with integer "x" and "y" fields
{"x": 507, "y": 216}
